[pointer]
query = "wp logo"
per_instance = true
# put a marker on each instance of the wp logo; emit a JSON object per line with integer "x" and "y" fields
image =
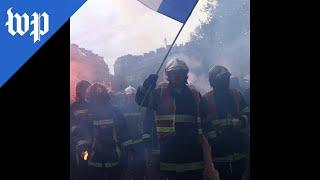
{"x": 39, "y": 24}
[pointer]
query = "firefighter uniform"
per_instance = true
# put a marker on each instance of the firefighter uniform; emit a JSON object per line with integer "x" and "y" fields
{"x": 135, "y": 155}
{"x": 107, "y": 137}
{"x": 78, "y": 116}
{"x": 178, "y": 125}
{"x": 110, "y": 138}
{"x": 78, "y": 119}
{"x": 229, "y": 114}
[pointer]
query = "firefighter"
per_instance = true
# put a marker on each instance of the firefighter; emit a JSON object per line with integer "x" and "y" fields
{"x": 108, "y": 135}
{"x": 136, "y": 164}
{"x": 178, "y": 125}
{"x": 78, "y": 116}
{"x": 151, "y": 143}
{"x": 229, "y": 114}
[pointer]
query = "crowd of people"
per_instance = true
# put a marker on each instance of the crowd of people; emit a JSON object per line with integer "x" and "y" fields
{"x": 161, "y": 131}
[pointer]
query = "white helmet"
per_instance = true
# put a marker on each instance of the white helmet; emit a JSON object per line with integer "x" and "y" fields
{"x": 176, "y": 64}
{"x": 130, "y": 90}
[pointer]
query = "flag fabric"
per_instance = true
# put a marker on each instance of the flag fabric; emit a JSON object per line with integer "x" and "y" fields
{"x": 178, "y": 10}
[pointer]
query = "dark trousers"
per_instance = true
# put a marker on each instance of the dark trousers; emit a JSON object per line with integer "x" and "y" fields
{"x": 78, "y": 170}
{"x": 189, "y": 175}
{"x": 135, "y": 172}
{"x": 136, "y": 163}
{"x": 231, "y": 171}
{"x": 96, "y": 173}
{"x": 153, "y": 168}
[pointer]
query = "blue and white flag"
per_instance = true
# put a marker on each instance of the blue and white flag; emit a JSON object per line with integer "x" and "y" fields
{"x": 175, "y": 9}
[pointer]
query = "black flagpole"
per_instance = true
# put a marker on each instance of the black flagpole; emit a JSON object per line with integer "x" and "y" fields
{"x": 165, "y": 57}
{"x": 175, "y": 39}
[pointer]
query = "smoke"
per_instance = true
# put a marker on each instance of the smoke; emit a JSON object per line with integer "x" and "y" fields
{"x": 85, "y": 65}
{"x": 199, "y": 81}
{"x": 191, "y": 78}
{"x": 78, "y": 72}
{"x": 197, "y": 75}
{"x": 189, "y": 60}
{"x": 232, "y": 28}
{"x": 223, "y": 40}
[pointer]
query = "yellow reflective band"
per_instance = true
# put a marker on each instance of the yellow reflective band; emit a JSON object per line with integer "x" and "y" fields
{"x": 230, "y": 158}
{"x": 81, "y": 111}
{"x": 130, "y": 142}
{"x": 100, "y": 165}
{"x": 181, "y": 167}
{"x": 126, "y": 143}
{"x": 215, "y": 122}
{"x": 200, "y": 131}
{"x": 164, "y": 117}
{"x": 198, "y": 120}
{"x": 245, "y": 118}
{"x": 73, "y": 128}
{"x": 165, "y": 129}
{"x": 118, "y": 151}
{"x": 146, "y": 136}
{"x": 226, "y": 122}
{"x": 137, "y": 141}
{"x": 102, "y": 122}
{"x": 235, "y": 122}
{"x": 245, "y": 110}
{"x": 109, "y": 165}
{"x": 212, "y": 134}
{"x": 82, "y": 142}
{"x": 114, "y": 135}
{"x": 95, "y": 164}
{"x": 176, "y": 118}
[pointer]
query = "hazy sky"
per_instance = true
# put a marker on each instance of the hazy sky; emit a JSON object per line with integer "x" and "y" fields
{"x": 119, "y": 27}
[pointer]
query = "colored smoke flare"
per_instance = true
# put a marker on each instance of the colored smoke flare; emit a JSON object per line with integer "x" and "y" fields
{"x": 85, "y": 155}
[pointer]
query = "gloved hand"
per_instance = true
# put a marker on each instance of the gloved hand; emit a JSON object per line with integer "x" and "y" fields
{"x": 151, "y": 81}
